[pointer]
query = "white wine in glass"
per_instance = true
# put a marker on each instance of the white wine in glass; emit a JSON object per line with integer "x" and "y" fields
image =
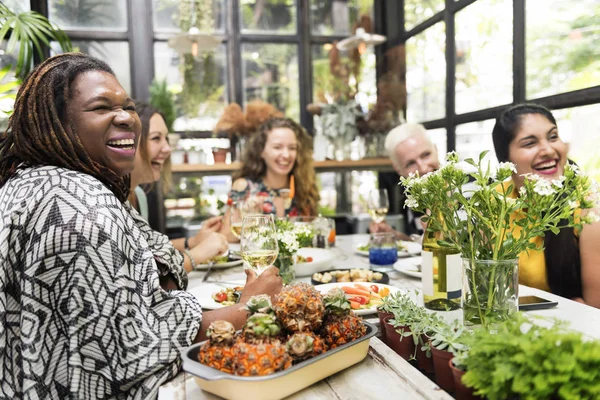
{"x": 258, "y": 242}
{"x": 238, "y": 210}
{"x": 378, "y": 204}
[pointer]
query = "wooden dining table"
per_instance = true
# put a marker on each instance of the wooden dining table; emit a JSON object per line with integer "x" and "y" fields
{"x": 382, "y": 374}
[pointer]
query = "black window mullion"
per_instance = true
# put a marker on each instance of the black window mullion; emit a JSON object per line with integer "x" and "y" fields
{"x": 450, "y": 76}
{"x": 305, "y": 62}
{"x": 519, "y": 71}
{"x": 234, "y": 53}
{"x": 141, "y": 47}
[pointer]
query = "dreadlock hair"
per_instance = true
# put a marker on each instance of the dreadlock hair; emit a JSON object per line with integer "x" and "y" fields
{"x": 561, "y": 251}
{"x": 254, "y": 167}
{"x": 36, "y": 133}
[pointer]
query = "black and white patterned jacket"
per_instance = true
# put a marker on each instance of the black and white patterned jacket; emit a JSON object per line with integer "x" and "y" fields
{"x": 82, "y": 314}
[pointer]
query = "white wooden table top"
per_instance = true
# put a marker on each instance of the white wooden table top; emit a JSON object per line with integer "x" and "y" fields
{"x": 382, "y": 374}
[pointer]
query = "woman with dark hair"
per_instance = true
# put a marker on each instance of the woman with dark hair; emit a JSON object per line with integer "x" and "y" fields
{"x": 527, "y": 136}
{"x": 92, "y": 300}
{"x": 277, "y": 166}
{"x": 153, "y": 164}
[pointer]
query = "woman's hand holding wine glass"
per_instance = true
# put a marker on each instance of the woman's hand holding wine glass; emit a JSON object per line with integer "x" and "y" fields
{"x": 258, "y": 242}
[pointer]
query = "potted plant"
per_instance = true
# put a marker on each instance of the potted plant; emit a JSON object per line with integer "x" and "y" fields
{"x": 398, "y": 332}
{"x": 476, "y": 218}
{"x": 446, "y": 341}
{"x": 529, "y": 361}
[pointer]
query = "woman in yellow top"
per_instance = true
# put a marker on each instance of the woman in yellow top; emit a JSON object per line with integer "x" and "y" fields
{"x": 569, "y": 266}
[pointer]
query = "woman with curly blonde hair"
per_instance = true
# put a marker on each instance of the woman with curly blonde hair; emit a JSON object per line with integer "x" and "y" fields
{"x": 278, "y": 167}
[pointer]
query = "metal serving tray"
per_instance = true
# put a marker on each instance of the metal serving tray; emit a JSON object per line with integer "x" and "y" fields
{"x": 279, "y": 384}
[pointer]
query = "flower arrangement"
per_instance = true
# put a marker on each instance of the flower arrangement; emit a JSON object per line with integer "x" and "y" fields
{"x": 479, "y": 211}
{"x": 237, "y": 122}
{"x": 290, "y": 237}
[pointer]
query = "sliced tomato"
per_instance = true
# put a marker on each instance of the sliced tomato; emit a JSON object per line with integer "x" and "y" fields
{"x": 220, "y": 297}
{"x": 375, "y": 288}
{"x": 358, "y": 299}
{"x": 309, "y": 259}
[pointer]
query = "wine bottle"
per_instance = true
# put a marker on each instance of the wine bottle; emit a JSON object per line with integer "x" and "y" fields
{"x": 441, "y": 270}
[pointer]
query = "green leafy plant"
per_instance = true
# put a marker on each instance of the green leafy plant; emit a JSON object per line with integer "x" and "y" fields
{"x": 450, "y": 337}
{"x": 163, "y": 100}
{"x": 528, "y": 361}
{"x": 7, "y": 88}
{"x": 31, "y": 31}
{"x": 486, "y": 221}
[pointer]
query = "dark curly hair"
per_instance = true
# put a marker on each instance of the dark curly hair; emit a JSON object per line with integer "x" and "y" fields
{"x": 255, "y": 168}
{"x": 36, "y": 133}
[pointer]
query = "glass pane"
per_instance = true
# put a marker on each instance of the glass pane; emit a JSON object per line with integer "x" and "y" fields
{"x": 417, "y": 11}
{"x": 175, "y": 15}
{"x": 475, "y": 137}
{"x": 337, "y": 17}
{"x": 270, "y": 73}
{"x": 580, "y": 127}
{"x": 426, "y": 74}
{"x": 97, "y": 15}
{"x": 329, "y": 88}
{"x": 17, "y": 6}
{"x": 115, "y": 54}
{"x": 268, "y": 16}
{"x": 484, "y": 50}
{"x": 562, "y": 46}
{"x": 198, "y": 83}
{"x": 439, "y": 137}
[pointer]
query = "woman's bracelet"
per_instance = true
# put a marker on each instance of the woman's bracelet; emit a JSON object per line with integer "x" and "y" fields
{"x": 189, "y": 254}
{"x": 186, "y": 243}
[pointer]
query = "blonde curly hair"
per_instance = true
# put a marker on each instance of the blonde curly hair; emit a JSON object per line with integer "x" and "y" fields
{"x": 255, "y": 168}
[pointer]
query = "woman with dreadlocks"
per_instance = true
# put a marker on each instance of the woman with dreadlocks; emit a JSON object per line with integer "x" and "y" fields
{"x": 91, "y": 298}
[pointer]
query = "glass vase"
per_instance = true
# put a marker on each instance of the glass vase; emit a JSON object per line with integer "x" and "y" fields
{"x": 490, "y": 291}
{"x": 287, "y": 267}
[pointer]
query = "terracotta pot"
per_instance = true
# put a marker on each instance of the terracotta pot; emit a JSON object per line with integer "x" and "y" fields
{"x": 424, "y": 363}
{"x": 462, "y": 392}
{"x": 404, "y": 346}
{"x": 382, "y": 315}
{"x": 220, "y": 155}
{"x": 443, "y": 373}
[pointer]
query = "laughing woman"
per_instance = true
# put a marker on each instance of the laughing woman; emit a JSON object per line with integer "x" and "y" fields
{"x": 86, "y": 309}
{"x": 278, "y": 167}
{"x": 153, "y": 164}
{"x": 527, "y": 136}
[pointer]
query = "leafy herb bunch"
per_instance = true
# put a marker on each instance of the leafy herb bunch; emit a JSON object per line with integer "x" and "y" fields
{"x": 528, "y": 361}
{"x": 473, "y": 204}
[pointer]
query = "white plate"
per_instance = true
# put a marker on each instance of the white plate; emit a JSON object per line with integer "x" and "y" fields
{"x": 205, "y": 291}
{"x": 363, "y": 311}
{"x": 233, "y": 263}
{"x": 412, "y": 249}
{"x": 409, "y": 266}
{"x": 322, "y": 261}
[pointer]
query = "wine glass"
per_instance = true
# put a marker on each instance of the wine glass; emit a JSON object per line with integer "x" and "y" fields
{"x": 241, "y": 208}
{"x": 258, "y": 242}
{"x": 378, "y": 204}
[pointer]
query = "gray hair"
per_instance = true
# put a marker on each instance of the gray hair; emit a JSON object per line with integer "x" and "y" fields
{"x": 399, "y": 134}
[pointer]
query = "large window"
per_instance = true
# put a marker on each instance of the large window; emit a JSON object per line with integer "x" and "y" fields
{"x": 503, "y": 52}
{"x": 562, "y": 46}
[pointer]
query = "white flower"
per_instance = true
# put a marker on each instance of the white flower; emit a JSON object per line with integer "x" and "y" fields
{"x": 557, "y": 183}
{"x": 507, "y": 166}
{"x": 592, "y": 217}
{"x": 573, "y": 204}
{"x": 572, "y": 167}
{"x": 531, "y": 177}
{"x": 466, "y": 167}
{"x": 522, "y": 191}
{"x": 543, "y": 187}
{"x": 511, "y": 201}
{"x": 411, "y": 202}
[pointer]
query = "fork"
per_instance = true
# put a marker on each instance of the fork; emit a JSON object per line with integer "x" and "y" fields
{"x": 208, "y": 271}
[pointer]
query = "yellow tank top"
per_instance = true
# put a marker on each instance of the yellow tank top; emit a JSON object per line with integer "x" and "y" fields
{"x": 532, "y": 263}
